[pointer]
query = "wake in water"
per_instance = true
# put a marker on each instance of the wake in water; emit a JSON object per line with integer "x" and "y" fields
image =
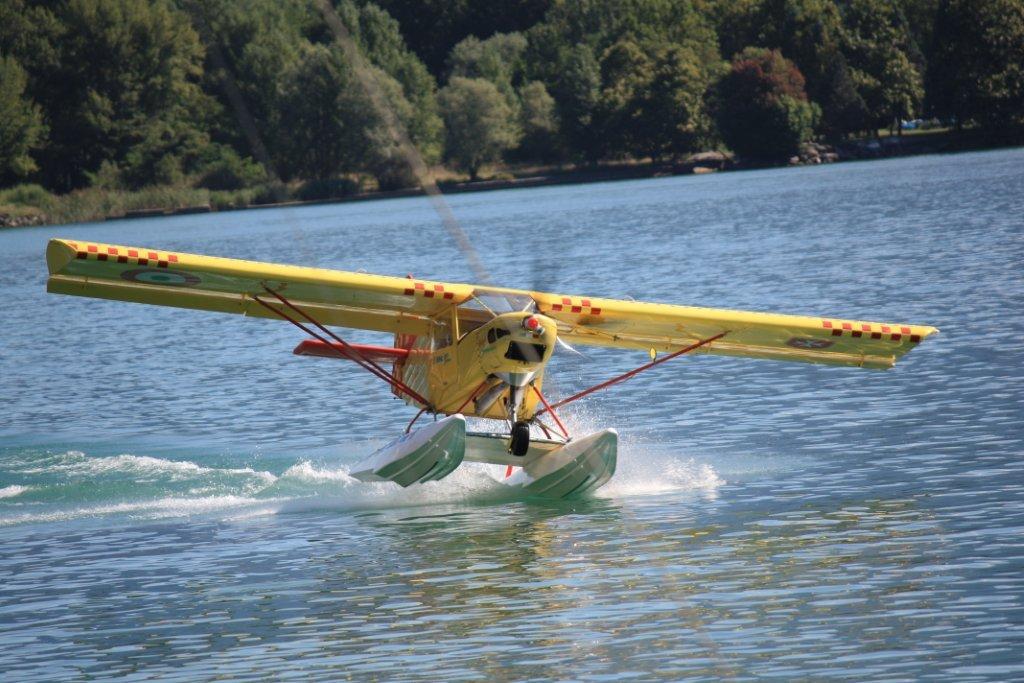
{"x": 73, "y": 485}
{"x": 12, "y": 491}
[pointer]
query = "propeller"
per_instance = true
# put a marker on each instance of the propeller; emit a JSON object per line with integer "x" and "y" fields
{"x": 494, "y": 302}
{"x": 497, "y": 302}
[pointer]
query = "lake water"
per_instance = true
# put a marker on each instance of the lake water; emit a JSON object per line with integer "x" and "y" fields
{"x": 175, "y": 504}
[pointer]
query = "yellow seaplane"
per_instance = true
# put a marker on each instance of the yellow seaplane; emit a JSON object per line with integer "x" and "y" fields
{"x": 464, "y": 350}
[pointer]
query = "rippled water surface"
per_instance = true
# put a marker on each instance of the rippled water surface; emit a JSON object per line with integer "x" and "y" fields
{"x": 175, "y": 503}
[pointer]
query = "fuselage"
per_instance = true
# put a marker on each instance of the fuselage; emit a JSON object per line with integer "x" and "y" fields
{"x": 489, "y": 371}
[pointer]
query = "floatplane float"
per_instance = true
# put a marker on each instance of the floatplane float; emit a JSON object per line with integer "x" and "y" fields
{"x": 463, "y": 350}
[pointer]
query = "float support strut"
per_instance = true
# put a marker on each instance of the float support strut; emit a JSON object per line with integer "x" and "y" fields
{"x": 626, "y": 375}
{"x": 364, "y": 362}
{"x": 549, "y": 409}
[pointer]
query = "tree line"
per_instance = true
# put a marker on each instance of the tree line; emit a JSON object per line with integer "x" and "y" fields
{"x": 226, "y": 94}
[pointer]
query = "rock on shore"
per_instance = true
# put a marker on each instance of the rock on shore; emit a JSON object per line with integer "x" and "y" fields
{"x": 814, "y": 153}
{"x": 9, "y": 220}
{"x": 706, "y": 162}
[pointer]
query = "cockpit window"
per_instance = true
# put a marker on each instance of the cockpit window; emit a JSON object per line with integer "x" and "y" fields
{"x": 499, "y": 302}
{"x": 485, "y": 305}
{"x": 496, "y": 333}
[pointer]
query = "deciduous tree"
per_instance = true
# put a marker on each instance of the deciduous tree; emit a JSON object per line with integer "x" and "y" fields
{"x": 977, "y": 68}
{"x": 481, "y": 126}
{"x": 126, "y": 90}
{"x": 843, "y": 109}
{"x": 21, "y": 124}
{"x": 884, "y": 60}
{"x": 762, "y": 110}
{"x": 577, "y": 91}
{"x": 327, "y": 124}
{"x": 538, "y": 120}
{"x": 671, "y": 117}
{"x": 382, "y": 44}
{"x": 499, "y": 59}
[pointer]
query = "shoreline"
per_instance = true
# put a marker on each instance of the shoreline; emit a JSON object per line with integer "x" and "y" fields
{"x": 922, "y": 143}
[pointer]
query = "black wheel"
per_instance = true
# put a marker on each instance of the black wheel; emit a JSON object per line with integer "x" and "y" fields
{"x": 520, "y": 439}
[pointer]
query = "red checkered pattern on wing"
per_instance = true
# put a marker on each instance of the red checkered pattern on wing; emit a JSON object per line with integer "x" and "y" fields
{"x": 580, "y": 306}
{"x": 840, "y": 328}
{"x": 428, "y": 291}
{"x": 91, "y": 252}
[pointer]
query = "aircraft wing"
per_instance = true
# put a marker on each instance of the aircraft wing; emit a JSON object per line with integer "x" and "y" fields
{"x": 636, "y": 325}
{"x": 372, "y": 302}
{"x": 394, "y": 304}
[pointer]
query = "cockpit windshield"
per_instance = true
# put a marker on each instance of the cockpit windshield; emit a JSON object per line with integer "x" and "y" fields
{"x": 485, "y": 304}
{"x": 499, "y": 302}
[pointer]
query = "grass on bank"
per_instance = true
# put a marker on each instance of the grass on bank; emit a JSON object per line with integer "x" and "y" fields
{"x": 99, "y": 203}
{"x": 92, "y": 204}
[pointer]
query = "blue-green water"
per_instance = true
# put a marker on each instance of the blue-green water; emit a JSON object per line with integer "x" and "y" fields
{"x": 174, "y": 502}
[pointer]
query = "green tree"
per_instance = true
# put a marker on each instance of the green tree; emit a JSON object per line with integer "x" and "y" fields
{"x": 762, "y": 110}
{"x": 538, "y": 119}
{"x": 317, "y": 137}
{"x": 976, "y": 73}
{"x": 808, "y": 32}
{"x": 883, "y": 59}
{"x": 263, "y": 46}
{"x": 21, "y": 122}
{"x": 433, "y": 27}
{"x": 383, "y": 158}
{"x": 843, "y": 109}
{"x": 125, "y": 90}
{"x": 601, "y": 23}
{"x": 597, "y": 57}
{"x": 382, "y": 44}
{"x": 627, "y": 72}
{"x": 327, "y": 125}
{"x": 481, "y": 126}
{"x": 811, "y": 34}
{"x": 670, "y": 118}
{"x": 577, "y": 92}
{"x": 921, "y": 15}
{"x": 652, "y": 100}
{"x": 902, "y": 90}
{"x": 251, "y": 45}
{"x": 499, "y": 59}
{"x": 738, "y": 24}
{"x": 30, "y": 33}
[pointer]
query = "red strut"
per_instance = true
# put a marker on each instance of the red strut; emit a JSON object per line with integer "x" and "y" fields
{"x": 352, "y": 353}
{"x": 626, "y": 375}
{"x": 549, "y": 409}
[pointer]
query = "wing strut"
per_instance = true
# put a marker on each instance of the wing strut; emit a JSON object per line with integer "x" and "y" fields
{"x": 549, "y": 409}
{"x": 626, "y": 375}
{"x": 471, "y": 396}
{"x": 355, "y": 354}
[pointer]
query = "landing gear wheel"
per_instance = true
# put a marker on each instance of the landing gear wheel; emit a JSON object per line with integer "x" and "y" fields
{"x": 520, "y": 439}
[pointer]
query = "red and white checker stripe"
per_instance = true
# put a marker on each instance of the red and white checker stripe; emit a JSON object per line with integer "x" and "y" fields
{"x": 93, "y": 252}
{"x": 429, "y": 291}
{"x": 581, "y": 306}
{"x": 840, "y": 328}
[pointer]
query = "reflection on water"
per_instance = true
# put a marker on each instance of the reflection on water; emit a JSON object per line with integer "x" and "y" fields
{"x": 674, "y": 586}
{"x": 175, "y": 501}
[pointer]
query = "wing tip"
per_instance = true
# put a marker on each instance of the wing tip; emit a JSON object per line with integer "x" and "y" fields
{"x": 59, "y": 253}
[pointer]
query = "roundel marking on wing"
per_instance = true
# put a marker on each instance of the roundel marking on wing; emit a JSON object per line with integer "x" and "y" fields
{"x": 806, "y": 343}
{"x": 153, "y": 276}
